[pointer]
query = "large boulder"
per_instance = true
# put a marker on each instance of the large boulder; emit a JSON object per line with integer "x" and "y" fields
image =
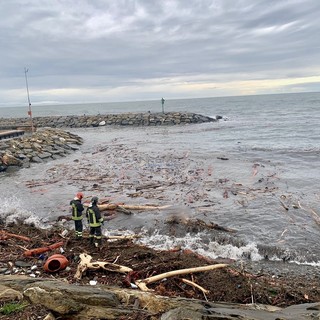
{"x": 105, "y": 302}
{"x": 9, "y": 160}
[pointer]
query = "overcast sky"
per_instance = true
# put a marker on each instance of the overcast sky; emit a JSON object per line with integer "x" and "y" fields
{"x": 124, "y": 50}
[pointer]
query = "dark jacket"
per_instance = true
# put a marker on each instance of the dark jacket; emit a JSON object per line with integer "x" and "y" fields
{"x": 94, "y": 216}
{"x": 77, "y": 209}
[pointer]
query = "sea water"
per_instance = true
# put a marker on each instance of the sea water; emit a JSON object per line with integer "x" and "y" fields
{"x": 279, "y": 131}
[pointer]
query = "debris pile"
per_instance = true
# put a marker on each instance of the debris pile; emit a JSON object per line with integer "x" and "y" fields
{"x": 122, "y": 263}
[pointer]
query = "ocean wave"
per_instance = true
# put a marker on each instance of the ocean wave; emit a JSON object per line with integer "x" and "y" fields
{"x": 13, "y": 211}
{"x": 228, "y": 249}
{"x": 196, "y": 243}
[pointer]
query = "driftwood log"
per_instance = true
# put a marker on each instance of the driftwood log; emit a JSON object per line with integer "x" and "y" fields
{"x": 114, "y": 206}
{"x": 86, "y": 263}
{"x": 4, "y": 235}
{"x": 126, "y": 237}
{"x": 142, "y": 284}
{"x": 195, "y": 285}
{"x": 198, "y": 223}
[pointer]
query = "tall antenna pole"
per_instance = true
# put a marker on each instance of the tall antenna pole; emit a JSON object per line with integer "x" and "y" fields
{"x": 29, "y": 111}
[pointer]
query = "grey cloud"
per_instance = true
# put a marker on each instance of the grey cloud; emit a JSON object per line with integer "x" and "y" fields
{"x": 115, "y": 43}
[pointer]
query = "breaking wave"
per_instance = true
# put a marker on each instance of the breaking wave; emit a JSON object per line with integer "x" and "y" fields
{"x": 12, "y": 211}
{"x": 194, "y": 242}
{"x": 213, "y": 249}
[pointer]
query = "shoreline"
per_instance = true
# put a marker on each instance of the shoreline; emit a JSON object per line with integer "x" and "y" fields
{"x": 231, "y": 290}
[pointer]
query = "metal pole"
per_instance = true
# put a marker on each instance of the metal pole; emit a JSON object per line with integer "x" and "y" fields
{"x": 29, "y": 111}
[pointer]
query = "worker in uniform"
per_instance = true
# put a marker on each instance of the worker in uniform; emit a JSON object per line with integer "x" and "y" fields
{"x": 77, "y": 216}
{"x": 95, "y": 222}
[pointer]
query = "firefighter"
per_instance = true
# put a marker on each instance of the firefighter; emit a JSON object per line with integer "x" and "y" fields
{"x": 77, "y": 209}
{"x": 95, "y": 222}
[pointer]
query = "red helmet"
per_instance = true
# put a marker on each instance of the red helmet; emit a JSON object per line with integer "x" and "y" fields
{"x": 79, "y": 195}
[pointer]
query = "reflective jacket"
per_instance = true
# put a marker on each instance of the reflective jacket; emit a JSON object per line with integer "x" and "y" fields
{"x": 94, "y": 216}
{"x": 77, "y": 209}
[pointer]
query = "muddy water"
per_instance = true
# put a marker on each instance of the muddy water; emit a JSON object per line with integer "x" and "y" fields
{"x": 205, "y": 172}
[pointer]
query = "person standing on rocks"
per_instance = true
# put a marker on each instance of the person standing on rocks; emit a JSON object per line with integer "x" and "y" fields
{"x": 95, "y": 222}
{"x": 77, "y": 216}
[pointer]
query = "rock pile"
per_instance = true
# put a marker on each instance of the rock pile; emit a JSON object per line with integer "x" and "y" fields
{"x": 46, "y": 143}
{"x": 123, "y": 119}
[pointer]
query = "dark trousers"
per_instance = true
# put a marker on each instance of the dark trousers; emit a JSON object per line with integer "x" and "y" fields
{"x": 78, "y": 228}
{"x": 95, "y": 234}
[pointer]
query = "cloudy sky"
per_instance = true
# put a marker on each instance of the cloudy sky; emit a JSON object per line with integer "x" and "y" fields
{"x": 125, "y": 50}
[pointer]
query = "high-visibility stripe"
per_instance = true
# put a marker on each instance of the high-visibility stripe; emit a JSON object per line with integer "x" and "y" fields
{"x": 93, "y": 219}
{"x": 75, "y": 213}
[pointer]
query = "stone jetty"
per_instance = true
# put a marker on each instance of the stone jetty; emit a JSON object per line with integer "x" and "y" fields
{"x": 51, "y": 142}
{"x": 122, "y": 119}
{"x": 42, "y": 145}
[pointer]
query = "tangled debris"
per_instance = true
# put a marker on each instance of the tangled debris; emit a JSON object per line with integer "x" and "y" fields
{"x": 233, "y": 283}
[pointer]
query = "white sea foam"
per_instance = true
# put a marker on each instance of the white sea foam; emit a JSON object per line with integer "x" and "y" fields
{"x": 12, "y": 209}
{"x": 195, "y": 243}
{"x": 312, "y": 264}
{"x": 212, "y": 249}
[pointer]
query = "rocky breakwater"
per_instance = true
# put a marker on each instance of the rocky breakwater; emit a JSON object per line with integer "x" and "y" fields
{"x": 123, "y": 119}
{"x": 45, "y": 144}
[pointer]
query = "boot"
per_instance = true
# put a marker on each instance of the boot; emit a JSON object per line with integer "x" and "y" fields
{"x": 98, "y": 243}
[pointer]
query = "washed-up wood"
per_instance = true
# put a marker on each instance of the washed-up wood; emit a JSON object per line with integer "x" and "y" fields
{"x": 114, "y": 206}
{"x": 316, "y": 217}
{"x": 37, "y": 251}
{"x": 152, "y": 186}
{"x": 123, "y": 210}
{"x": 39, "y": 183}
{"x": 212, "y": 225}
{"x": 198, "y": 223}
{"x": 5, "y": 235}
{"x": 144, "y": 207}
{"x": 67, "y": 218}
{"x": 195, "y": 285}
{"x": 142, "y": 284}
{"x": 105, "y": 206}
{"x": 284, "y": 205}
{"x": 255, "y": 169}
{"x": 126, "y": 237}
{"x": 86, "y": 263}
